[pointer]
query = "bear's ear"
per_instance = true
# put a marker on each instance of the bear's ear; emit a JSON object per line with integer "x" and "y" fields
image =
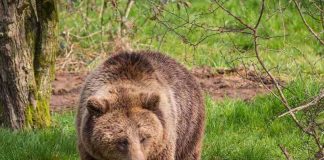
{"x": 150, "y": 101}
{"x": 97, "y": 106}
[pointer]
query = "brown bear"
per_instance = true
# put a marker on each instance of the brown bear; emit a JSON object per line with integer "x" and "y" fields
{"x": 140, "y": 106}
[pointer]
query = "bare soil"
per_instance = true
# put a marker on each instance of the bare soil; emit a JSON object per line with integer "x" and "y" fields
{"x": 232, "y": 83}
{"x": 66, "y": 90}
{"x": 218, "y": 83}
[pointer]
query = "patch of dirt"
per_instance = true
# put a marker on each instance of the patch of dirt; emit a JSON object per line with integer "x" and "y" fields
{"x": 231, "y": 83}
{"x": 66, "y": 90}
{"x": 218, "y": 83}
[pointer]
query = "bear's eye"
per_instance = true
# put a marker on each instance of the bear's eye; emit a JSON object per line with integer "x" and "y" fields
{"x": 122, "y": 145}
{"x": 142, "y": 140}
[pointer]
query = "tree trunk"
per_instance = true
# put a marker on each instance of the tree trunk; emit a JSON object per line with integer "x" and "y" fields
{"x": 28, "y": 45}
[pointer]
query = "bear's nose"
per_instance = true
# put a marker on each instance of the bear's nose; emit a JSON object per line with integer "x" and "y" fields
{"x": 135, "y": 152}
{"x": 137, "y": 156}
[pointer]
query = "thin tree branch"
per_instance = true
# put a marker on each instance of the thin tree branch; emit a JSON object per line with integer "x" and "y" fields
{"x": 285, "y": 152}
{"x": 125, "y": 16}
{"x": 306, "y": 24}
{"x": 128, "y": 8}
{"x": 315, "y": 101}
{"x": 234, "y": 16}
{"x": 260, "y": 15}
{"x": 102, "y": 10}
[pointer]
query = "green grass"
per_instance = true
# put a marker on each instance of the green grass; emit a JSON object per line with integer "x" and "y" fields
{"x": 57, "y": 142}
{"x": 235, "y": 130}
{"x": 251, "y": 130}
{"x": 291, "y": 51}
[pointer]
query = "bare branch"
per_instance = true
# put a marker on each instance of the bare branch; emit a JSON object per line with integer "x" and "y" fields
{"x": 128, "y": 8}
{"x": 124, "y": 17}
{"x": 315, "y": 101}
{"x": 306, "y": 24}
{"x": 234, "y": 16}
{"x": 260, "y": 15}
{"x": 281, "y": 95}
{"x": 103, "y": 6}
{"x": 285, "y": 152}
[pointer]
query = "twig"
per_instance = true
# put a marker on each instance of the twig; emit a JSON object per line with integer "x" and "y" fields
{"x": 125, "y": 16}
{"x": 87, "y": 36}
{"x": 260, "y": 15}
{"x": 234, "y": 16}
{"x": 315, "y": 101}
{"x": 283, "y": 21}
{"x": 67, "y": 60}
{"x": 128, "y": 8}
{"x": 103, "y": 6}
{"x": 87, "y": 14}
{"x": 264, "y": 85}
{"x": 281, "y": 95}
{"x": 306, "y": 24}
{"x": 322, "y": 14}
{"x": 285, "y": 152}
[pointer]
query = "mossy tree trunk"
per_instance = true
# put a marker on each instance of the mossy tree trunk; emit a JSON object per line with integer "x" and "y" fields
{"x": 28, "y": 45}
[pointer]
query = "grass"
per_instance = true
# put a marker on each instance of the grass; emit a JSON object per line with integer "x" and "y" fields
{"x": 235, "y": 129}
{"x": 291, "y": 50}
{"x": 251, "y": 130}
{"x": 57, "y": 142}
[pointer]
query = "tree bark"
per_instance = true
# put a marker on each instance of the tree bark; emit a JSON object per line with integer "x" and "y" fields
{"x": 28, "y": 46}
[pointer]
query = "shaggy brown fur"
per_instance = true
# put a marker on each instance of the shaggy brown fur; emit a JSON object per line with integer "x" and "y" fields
{"x": 140, "y": 106}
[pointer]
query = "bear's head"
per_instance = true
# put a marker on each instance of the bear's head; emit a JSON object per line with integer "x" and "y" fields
{"x": 123, "y": 125}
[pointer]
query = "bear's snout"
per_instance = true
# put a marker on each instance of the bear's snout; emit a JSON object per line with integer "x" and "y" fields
{"x": 135, "y": 152}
